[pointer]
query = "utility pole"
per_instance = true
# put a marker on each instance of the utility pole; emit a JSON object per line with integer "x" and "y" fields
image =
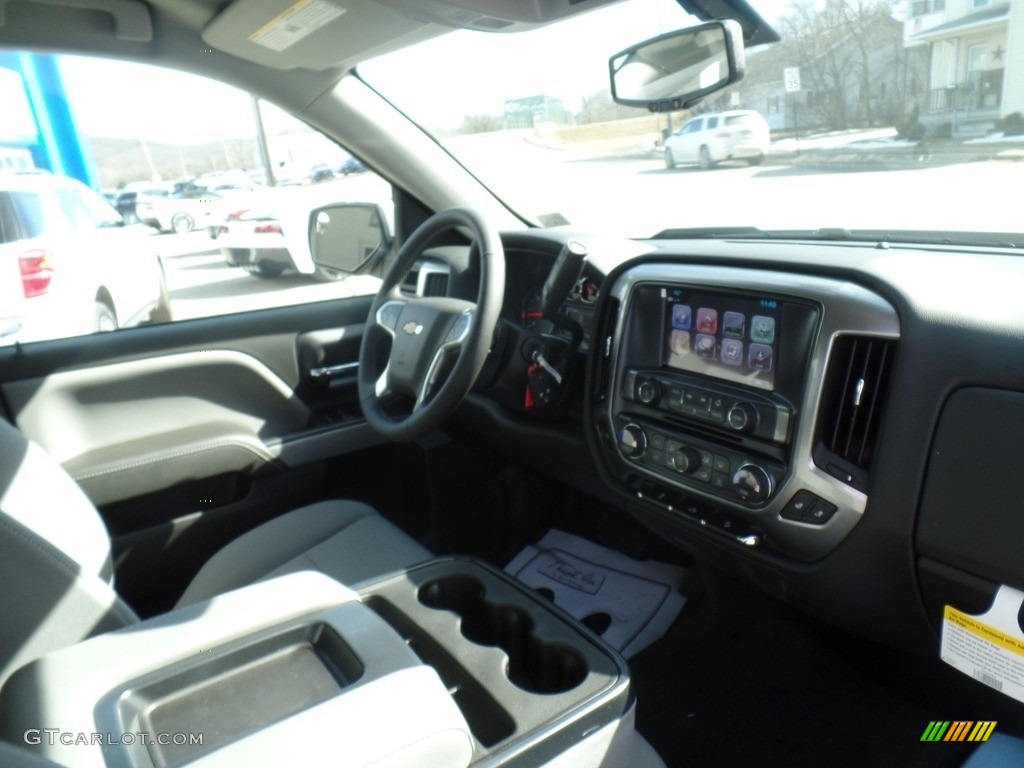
{"x": 261, "y": 141}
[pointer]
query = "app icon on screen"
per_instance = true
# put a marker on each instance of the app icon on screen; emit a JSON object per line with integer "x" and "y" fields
{"x": 732, "y": 351}
{"x": 679, "y": 342}
{"x": 705, "y": 346}
{"x": 762, "y": 329}
{"x": 707, "y": 320}
{"x": 760, "y": 358}
{"x": 733, "y": 324}
{"x": 682, "y": 316}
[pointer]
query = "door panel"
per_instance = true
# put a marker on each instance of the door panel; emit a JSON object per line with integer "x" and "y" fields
{"x": 187, "y": 434}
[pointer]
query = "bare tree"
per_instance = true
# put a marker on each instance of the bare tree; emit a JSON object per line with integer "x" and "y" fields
{"x": 599, "y": 108}
{"x": 480, "y": 124}
{"x": 845, "y": 49}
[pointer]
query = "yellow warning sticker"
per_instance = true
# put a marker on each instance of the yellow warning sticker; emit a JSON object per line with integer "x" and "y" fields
{"x": 300, "y": 20}
{"x": 990, "y": 647}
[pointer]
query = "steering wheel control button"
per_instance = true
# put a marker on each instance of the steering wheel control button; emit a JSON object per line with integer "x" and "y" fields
{"x": 801, "y": 503}
{"x": 752, "y": 484}
{"x": 387, "y": 315}
{"x": 459, "y": 329}
{"x": 632, "y": 441}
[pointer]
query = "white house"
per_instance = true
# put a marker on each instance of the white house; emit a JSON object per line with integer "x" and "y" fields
{"x": 976, "y": 60}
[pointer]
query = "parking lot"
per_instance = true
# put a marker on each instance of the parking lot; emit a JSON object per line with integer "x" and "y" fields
{"x": 202, "y": 284}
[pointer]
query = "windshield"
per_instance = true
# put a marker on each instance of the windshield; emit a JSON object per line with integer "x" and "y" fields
{"x": 866, "y": 116}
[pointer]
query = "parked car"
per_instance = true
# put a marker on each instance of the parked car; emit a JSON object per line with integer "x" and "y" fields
{"x": 192, "y": 207}
{"x": 711, "y": 138}
{"x": 69, "y": 265}
{"x": 271, "y": 236}
{"x": 125, "y": 199}
{"x": 351, "y": 165}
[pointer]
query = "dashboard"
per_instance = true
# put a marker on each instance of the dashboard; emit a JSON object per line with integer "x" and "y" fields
{"x": 835, "y": 422}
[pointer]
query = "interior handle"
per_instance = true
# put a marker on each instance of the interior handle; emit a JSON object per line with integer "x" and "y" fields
{"x": 327, "y": 371}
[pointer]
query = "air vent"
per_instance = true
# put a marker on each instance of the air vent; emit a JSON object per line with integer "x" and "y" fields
{"x": 852, "y": 404}
{"x": 435, "y": 284}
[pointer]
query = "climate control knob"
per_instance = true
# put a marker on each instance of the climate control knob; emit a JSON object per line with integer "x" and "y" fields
{"x": 742, "y": 417}
{"x": 648, "y": 391}
{"x": 632, "y": 441}
{"x": 752, "y": 483}
{"x": 684, "y": 460}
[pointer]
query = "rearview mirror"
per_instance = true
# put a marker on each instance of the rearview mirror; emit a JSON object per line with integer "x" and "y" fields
{"x": 678, "y": 69}
{"x": 346, "y": 236}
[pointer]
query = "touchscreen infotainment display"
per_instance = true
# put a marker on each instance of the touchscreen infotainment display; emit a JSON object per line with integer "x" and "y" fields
{"x": 729, "y": 337}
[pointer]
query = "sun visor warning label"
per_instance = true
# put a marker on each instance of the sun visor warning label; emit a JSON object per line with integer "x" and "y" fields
{"x": 302, "y": 19}
{"x": 990, "y": 647}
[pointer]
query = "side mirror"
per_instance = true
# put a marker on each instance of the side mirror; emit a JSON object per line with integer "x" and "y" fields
{"x": 678, "y": 69}
{"x": 345, "y": 237}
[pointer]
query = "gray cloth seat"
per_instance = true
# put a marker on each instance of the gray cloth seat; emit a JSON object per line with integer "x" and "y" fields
{"x": 56, "y": 568}
{"x": 346, "y": 540}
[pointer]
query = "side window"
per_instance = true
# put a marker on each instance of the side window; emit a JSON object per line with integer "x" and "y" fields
{"x": 26, "y": 214}
{"x": 204, "y": 189}
{"x": 74, "y": 209}
{"x": 712, "y": 123}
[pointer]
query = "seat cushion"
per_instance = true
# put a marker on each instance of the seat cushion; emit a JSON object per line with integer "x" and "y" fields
{"x": 346, "y": 540}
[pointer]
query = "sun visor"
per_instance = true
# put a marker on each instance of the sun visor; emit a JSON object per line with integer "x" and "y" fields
{"x": 313, "y": 34}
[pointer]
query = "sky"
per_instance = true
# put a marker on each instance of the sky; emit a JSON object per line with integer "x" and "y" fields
{"x": 437, "y": 82}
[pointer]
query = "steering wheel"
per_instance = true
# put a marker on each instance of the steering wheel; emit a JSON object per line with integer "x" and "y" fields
{"x": 429, "y": 350}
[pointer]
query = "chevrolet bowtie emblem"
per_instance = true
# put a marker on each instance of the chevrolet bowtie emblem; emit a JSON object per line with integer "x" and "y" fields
{"x": 412, "y": 328}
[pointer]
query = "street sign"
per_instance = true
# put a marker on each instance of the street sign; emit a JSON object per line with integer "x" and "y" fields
{"x": 791, "y": 76}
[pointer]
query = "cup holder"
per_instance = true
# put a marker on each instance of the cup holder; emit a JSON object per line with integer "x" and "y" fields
{"x": 534, "y": 664}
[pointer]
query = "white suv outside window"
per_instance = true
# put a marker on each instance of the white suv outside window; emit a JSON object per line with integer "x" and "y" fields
{"x": 68, "y": 264}
{"x": 708, "y": 139}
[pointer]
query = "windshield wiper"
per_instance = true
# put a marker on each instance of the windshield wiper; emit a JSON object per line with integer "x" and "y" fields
{"x": 908, "y": 237}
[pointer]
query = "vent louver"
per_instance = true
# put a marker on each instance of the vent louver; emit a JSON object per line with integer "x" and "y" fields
{"x": 852, "y": 404}
{"x": 436, "y": 284}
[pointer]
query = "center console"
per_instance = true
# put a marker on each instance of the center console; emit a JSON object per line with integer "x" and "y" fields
{"x": 450, "y": 663}
{"x": 708, "y": 400}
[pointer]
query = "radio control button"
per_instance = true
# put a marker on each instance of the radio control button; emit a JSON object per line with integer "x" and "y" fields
{"x": 648, "y": 391}
{"x": 684, "y": 460}
{"x": 742, "y": 417}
